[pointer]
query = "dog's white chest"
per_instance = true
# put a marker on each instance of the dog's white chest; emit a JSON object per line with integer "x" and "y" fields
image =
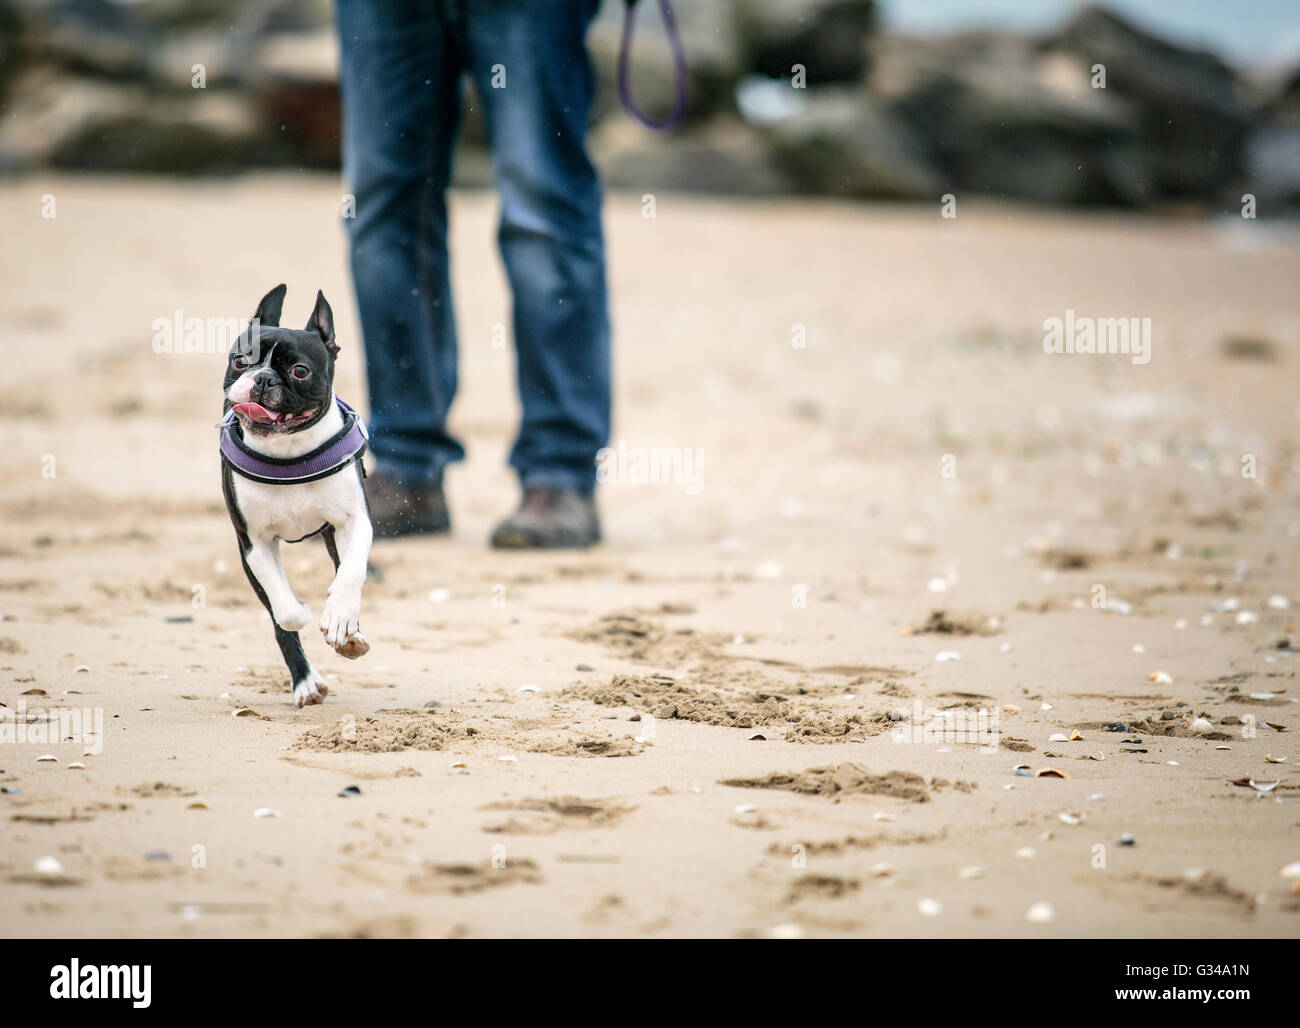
{"x": 292, "y": 511}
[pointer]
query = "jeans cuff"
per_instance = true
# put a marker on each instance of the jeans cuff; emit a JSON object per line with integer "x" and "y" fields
{"x": 583, "y": 482}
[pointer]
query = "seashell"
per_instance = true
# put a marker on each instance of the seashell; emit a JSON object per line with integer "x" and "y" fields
{"x": 1026, "y": 853}
{"x": 348, "y": 791}
{"x": 34, "y": 692}
{"x": 1292, "y": 870}
{"x": 785, "y": 931}
{"x": 1160, "y": 677}
{"x": 1023, "y": 770}
{"x": 943, "y": 656}
{"x": 758, "y": 737}
{"x": 641, "y": 738}
{"x": 1076, "y": 735}
{"x": 88, "y": 753}
{"x": 76, "y": 765}
{"x": 224, "y": 696}
{"x": 1263, "y": 695}
{"x": 970, "y": 872}
{"x": 244, "y": 712}
{"x": 1247, "y": 617}
{"x": 1096, "y": 756}
{"x": 1095, "y": 797}
{"x": 47, "y": 866}
{"x": 1139, "y": 648}
{"x": 1278, "y": 602}
{"x": 1008, "y": 787}
{"x": 1058, "y": 737}
{"x": 1201, "y": 725}
{"x": 196, "y": 805}
{"x": 746, "y": 808}
{"x": 1128, "y": 839}
{"x": 1010, "y": 708}
{"x": 1040, "y": 913}
{"x": 81, "y": 669}
{"x": 267, "y": 812}
{"x": 508, "y": 758}
{"x": 1044, "y": 706}
{"x": 1273, "y": 725}
{"x": 1172, "y": 763}
{"x": 529, "y": 688}
{"x": 1221, "y": 746}
{"x": 1050, "y": 772}
{"x": 880, "y": 815}
{"x": 439, "y": 595}
{"x": 1263, "y": 786}
{"x": 937, "y": 585}
{"x": 927, "y": 907}
{"x": 882, "y": 870}
{"x": 47, "y": 758}
{"x": 1274, "y": 760}
{"x": 1070, "y": 817}
{"x": 1004, "y": 648}
{"x": 459, "y": 763}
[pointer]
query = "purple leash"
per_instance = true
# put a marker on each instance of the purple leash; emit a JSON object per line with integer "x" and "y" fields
{"x": 674, "y": 117}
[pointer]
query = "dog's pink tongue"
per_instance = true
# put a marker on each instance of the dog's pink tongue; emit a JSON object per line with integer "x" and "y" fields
{"x": 254, "y": 412}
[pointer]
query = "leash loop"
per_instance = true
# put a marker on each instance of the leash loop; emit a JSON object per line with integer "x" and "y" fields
{"x": 680, "y": 93}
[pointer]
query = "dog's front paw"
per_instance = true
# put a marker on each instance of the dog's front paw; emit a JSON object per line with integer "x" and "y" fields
{"x": 310, "y": 690}
{"x": 295, "y": 619}
{"x": 340, "y": 623}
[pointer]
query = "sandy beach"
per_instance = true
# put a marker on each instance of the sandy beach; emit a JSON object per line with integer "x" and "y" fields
{"x": 897, "y": 500}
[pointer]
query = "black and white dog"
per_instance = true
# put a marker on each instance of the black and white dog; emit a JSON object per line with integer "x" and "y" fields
{"x": 291, "y": 468}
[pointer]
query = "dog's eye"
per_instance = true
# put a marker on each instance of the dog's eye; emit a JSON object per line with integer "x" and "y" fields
{"x": 300, "y": 371}
{"x": 240, "y": 362}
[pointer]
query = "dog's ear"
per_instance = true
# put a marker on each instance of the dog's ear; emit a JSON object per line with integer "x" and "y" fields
{"x": 322, "y": 323}
{"x": 268, "y": 311}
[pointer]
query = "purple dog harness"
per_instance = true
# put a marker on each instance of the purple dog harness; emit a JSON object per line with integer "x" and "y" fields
{"x": 333, "y": 456}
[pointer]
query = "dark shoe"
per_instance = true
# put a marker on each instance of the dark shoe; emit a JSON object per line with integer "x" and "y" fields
{"x": 397, "y": 510}
{"x": 550, "y": 519}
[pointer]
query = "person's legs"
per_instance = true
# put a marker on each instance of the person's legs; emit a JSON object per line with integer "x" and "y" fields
{"x": 530, "y": 68}
{"x": 400, "y": 84}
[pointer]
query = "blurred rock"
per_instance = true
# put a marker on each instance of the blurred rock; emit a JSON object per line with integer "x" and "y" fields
{"x": 997, "y": 116}
{"x": 294, "y": 77}
{"x": 63, "y": 121}
{"x": 720, "y": 156}
{"x": 1188, "y": 105}
{"x": 1271, "y": 167}
{"x": 842, "y": 142}
{"x": 827, "y": 37}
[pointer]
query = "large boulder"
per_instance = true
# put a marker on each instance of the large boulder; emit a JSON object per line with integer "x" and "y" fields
{"x": 838, "y": 140}
{"x": 1189, "y": 107}
{"x": 827, "y": 37}
{"x": 721, "y": 156}
{"x": 1271, "y": 166}
{"x": 59, "y": 120}
{"x": 997, "y": 116}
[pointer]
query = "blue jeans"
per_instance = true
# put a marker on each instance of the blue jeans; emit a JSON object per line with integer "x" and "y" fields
{"x": 402, "y": 70}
